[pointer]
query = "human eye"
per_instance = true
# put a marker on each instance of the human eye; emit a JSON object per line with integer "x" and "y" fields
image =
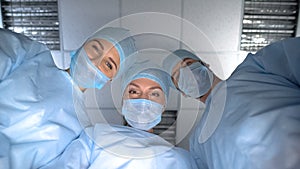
{"x": 156, "y": 93}
{"x": 188, "y": 63}
{"x": 108, "y": 65}
{"x": 157, "y": 96}
{"x": 95, "y": 46}
{"x": 133, "y": 92}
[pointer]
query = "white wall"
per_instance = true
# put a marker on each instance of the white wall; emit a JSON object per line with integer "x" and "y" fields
{"x": 79, "y": 19}
{"x": 210, "y": 28}
{"x": 220, "y": 24}
{"x": 154, "y": 22}
{"x": 218, "y": 21}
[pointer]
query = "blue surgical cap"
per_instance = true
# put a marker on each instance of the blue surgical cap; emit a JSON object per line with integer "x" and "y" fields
{"x": 120, "y": 38}
{"x": 153, "y": 73}
{"x": 175, "y": 57}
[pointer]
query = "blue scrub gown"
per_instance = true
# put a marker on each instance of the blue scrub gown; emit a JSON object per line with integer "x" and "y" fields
{"x": 37, "y": 116}
{"x": 252, "y": 120}
{"x": 119, "y": 147}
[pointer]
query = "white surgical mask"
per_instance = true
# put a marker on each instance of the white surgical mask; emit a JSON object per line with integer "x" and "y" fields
{"x": 84, "y": 72}
{"x": 195, "y": 80}
{"x": 142, "y": 113}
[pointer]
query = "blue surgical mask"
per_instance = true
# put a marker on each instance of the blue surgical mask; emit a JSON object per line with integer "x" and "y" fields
{"x": 142, "y": 113}
{"x": 84, "y": 72}
{"x": 195, "y": 80}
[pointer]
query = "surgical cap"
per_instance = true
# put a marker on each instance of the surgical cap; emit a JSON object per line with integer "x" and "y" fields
{"x": 120, "y": 38}
{"x": 175, "y": 57}
{"x": 153, "y": 73}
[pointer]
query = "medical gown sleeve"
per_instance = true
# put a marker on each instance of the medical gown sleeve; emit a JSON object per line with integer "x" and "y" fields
{"x": 14, "y": 49}
{"x": 258, "y": 124}
{"x": 37, "y": 115}
{"x": 120, "y": 147}
{"x": 281, "y": 58}
{"x": 4, "y": 147}
{"x": 75, "y": 156}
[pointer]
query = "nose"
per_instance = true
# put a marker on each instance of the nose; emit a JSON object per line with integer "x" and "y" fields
{"x": 144, "y": 96}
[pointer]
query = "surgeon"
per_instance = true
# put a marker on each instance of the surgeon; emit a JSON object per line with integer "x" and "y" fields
{"x": 189, "y": 74}
{"x": 98, "y": 60}
{"x": 144, "y": 97}
{"x": 121, "y": 147}
{"x": 37, "y": 114}
{"x": 252, "y": 118}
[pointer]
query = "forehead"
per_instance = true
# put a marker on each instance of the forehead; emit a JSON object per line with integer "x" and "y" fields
{"x": 106, "y": 44}
{"x": 182, "y": 63}
{"x": 144, "y": 83}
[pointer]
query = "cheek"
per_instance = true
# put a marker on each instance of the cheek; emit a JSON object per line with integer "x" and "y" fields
{"x": 175, "y": 82}
{"x": 96, "y": 62}
{"x": 163, "y": 101}
{"x": 125, "y": 96}
{"x": 160, "y": 100}
{"x": 104, "y": 69}
{"x": 175, "y": 76}
{"x": 90, "y": 53}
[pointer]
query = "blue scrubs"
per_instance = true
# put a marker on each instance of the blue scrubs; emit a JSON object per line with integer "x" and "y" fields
{"x": 255, "y": 122}
{"x": 37, "y": 116}
{"x": 119, "y": 147}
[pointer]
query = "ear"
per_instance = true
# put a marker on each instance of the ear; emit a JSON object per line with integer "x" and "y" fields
{"x": 165, "y": 107}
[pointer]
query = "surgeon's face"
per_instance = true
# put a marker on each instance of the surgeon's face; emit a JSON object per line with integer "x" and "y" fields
{"x": 144, "y": 88}
{"x": 175, "y": 71}
{"x": 104, "y": 56}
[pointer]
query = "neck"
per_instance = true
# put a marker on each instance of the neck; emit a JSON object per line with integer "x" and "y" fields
{"x": 215, "y": 82}
{"x": 151, "y": 131}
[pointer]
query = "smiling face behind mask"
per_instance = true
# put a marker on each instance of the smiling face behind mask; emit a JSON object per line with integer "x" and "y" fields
{"x": 93, "y": 65}
{"x": 104, "y": 56}
{"x": 143, "y": 103}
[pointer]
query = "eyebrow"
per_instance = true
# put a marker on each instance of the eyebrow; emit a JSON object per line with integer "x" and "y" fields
{"x": 151, "y": 88}
{"x": 133, "y": 84}
{"x": 102, "y": 47}
{"x": 113, "y": 62}
{"x": 96, "y": 40}
{"x": 155, "y": 87}
{"x": 184, "y": 60}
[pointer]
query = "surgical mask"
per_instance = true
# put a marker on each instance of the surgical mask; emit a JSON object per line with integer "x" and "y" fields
{"x": 142, "y": 113}
{"x": 195, "y": 80}
{"x": 84, "y": 72}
